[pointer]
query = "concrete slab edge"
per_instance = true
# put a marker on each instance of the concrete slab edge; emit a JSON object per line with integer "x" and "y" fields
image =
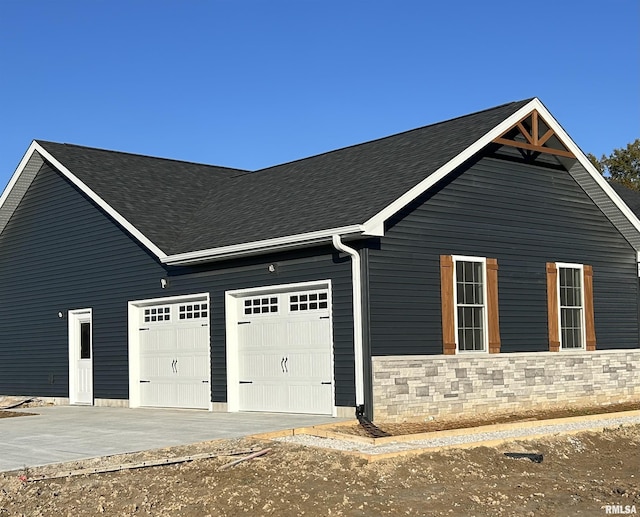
{"x": 528, "y": 424}
{"x": 470, "y": 445}
{"x": 322, "y": 432}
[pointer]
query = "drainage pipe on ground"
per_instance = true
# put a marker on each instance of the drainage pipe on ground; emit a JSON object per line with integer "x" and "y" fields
{"x": 357, "y": 320}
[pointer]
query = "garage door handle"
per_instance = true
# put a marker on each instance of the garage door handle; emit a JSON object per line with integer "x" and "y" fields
{"x": 206, "y": 382}
{"x": 326, "y": 382}
{"x": 283, "y": 365}
{"x": 145, "y": 381}
{"x": 246, "y": 382}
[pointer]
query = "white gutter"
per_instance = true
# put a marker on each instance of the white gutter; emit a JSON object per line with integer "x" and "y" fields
{"x": 260, "y": 247}
{"x": 357, "y": 320}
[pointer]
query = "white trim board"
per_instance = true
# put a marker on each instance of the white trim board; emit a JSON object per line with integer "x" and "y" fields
{"x": 23, "y": 170}
{"x": 592, "y": 182}
{"x": 263, "y": 246}
{"x": 378, "y": 220}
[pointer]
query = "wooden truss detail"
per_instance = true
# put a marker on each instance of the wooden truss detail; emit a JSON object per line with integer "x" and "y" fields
{"x": 525, "y": 134}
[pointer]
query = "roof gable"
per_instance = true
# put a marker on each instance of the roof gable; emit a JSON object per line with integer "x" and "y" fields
{"x": 152, "y": 198}
{"x": 335, "y": 189}
{"x": 185, "y": 212}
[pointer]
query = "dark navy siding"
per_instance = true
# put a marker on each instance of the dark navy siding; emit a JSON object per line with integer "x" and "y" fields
{"x": 60, "y": 251}
{"x": 521, "y": 214}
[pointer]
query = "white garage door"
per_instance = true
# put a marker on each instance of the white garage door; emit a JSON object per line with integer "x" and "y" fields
{"x": 285, "y": 352}
{"x": 174, "y": 355}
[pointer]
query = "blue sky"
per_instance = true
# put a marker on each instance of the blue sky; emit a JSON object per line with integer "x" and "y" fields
{"x": 252, "y": 83}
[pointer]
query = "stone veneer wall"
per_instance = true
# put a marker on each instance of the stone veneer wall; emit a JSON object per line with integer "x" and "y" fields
{"x": 417, "y": 387}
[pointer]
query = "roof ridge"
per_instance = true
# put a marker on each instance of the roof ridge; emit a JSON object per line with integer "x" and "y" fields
{"x": 139, "y": 155}
{"x": 367, "y": 142}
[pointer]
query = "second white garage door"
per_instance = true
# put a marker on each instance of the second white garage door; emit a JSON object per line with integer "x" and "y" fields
{"x": 174, "y": 355}
{"x": 285, "y": 352}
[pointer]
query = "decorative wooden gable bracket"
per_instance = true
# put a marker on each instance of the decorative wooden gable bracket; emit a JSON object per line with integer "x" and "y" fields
{"x": 525, "y": 134}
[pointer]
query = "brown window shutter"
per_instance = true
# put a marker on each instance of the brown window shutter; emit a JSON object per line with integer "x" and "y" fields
{"x": 552, "y": 307}
{"x": 492, "y": 306}
{"x": 590, "y": 326}
{"x": 446, "y": 299}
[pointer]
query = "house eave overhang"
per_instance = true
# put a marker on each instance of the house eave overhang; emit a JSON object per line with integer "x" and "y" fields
{"x": 35, "y": 147}
{"x": 375, "y": 225}
{"x": 289, "y": 242}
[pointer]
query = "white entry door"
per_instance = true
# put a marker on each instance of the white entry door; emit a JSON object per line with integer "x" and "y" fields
{"x": 174, "y": 355}
{"x": 80, "y": 357}
{"x": 285, "y": 360}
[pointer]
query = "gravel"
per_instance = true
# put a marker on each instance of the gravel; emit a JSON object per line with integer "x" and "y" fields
{"x": 511, "y": 434}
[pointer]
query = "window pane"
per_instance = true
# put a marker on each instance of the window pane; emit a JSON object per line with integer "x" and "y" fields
{"x": 85, "y": 340}
{"x": 470, "y": 328}
{"x": 470, "y": 304}
{"x": 571, "y": 323}
{"x": 570, "y": 280}
{"x": 469, "y": 283}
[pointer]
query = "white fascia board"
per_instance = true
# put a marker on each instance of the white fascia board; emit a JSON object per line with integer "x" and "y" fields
{"x": 378, "y": 220}
{"x": 17, "y": 173}
{"x": 263, "y": 246}
{"x": 584, "y": 161}
{"x": 374, "y": 224}
{"x": 137, "y": 234}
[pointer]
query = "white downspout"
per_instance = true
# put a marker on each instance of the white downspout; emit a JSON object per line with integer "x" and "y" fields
{"x": 357, "y": 320}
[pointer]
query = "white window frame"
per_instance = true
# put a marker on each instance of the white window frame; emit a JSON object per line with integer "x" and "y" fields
{"x": 583, "y": 326}
{"x": 485, "y": 318}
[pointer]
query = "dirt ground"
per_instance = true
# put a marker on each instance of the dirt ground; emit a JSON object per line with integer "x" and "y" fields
{"x": 578, "y": 476}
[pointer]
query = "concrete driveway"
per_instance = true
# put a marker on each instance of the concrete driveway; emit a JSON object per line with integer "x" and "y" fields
{"x": 65, "y": 433}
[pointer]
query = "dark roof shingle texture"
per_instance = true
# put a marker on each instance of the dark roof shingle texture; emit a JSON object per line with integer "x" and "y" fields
{"x": 156, "y": 195}
{"x": 629, "y": 196}
{"x": 184, "y": 207}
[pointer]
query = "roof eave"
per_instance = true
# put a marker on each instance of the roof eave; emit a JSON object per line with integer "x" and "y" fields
{"x": 36, "y": 147}
{"x": 375, "y": 225}
{"x": 262, "y": 247}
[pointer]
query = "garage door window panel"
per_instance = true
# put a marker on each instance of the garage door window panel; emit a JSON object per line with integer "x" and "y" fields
{"x": 262, "y": 305}
{"x": 155, "y": 314}
{"x": 311, "y": 301}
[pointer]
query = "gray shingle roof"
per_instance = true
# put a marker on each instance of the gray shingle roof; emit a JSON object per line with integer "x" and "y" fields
{"x": 338, "y": 188}
{"x": 629, "y": 196}
{"x": 156, "y": 195}
{"x": 184, "y": 207}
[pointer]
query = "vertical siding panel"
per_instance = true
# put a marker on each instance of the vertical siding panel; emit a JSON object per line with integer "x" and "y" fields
{"x": 590, "y": 328}
{"x": 552, "y": 307}
{"x": 493, "y": 306}
{"x": 446, "y": 300}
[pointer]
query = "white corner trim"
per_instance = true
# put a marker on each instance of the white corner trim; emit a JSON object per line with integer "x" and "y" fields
{"x": 35, "y": 147}
{"x": 257, "y": 247}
